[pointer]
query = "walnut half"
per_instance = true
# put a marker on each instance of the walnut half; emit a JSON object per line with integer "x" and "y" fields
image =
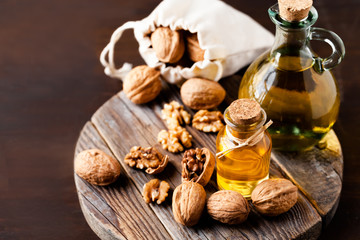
{"x": 208, "y": 121}
{"x": 175, "y": 140}
{"x": 198, "y": 165}
{"x": 174, "y": 115}
{"x": 155, "y": 191}
{"x": 149, "y": 158}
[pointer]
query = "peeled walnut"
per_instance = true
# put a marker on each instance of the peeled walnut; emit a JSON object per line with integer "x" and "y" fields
{"x": 208, "y": 121}
{"x": 170, "y": 140}
{"x": 142, "y": 84}
{"x": 188, "y": 203}
{"x": 96, "y": 167}
{"x": 148, "y": 158}
{"x": 198, "y": 165}
{"x": 274, "y": 196}
{"x": 169, "y": 45}
{"x": 155, "y": 191}
{"x": 174, "y": 115}
{"x": 200, "y": 93}
{"x": 193, "y": 48}
{"x": 228, "y": 207}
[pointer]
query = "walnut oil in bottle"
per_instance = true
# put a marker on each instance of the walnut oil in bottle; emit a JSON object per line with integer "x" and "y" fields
{"x": 242, "y": 169}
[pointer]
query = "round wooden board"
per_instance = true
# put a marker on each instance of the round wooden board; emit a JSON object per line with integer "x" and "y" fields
{"x": 118, "y": 211}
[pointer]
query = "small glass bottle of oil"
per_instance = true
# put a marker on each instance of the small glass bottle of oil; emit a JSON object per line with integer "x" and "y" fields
{"x": 242, "y": 164}
{"x": 292, "y": 84}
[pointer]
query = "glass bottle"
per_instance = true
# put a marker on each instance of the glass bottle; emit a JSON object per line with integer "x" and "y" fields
{"x": 242, "y": 169}
{"x": 293, "y": 85}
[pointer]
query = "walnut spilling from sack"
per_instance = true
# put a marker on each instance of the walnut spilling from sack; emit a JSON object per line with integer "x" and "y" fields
{"x": 155, "y": 191}
{"x": 174, "y": 115}
{"x": 207, "y": 121}
{"x": 171, "y": 139}
{"x": 198, "y": 165}
{"x": 148, "y": 158}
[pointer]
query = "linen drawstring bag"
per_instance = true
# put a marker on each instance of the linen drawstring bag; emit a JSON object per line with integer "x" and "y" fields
{"x": 230, "y": 38}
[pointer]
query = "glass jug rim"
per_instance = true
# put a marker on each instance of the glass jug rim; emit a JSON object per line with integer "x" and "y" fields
{"x": 306, "y": 22}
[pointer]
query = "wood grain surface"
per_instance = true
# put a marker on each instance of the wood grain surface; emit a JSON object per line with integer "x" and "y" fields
{"x": 121, "y": 125}
{"x": 51, "y": 83}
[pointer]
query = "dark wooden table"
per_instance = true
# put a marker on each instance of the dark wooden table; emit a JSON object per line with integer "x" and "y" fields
{"x": 51, "y": 82}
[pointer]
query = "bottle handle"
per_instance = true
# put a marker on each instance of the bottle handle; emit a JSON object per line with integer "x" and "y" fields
{"x": 337, "y": 46}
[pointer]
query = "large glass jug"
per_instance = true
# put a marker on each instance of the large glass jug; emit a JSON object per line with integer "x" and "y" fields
{"x": 293, "y": 85}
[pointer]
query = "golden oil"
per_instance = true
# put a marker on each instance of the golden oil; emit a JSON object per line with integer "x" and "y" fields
{"x": 242, "y": 169}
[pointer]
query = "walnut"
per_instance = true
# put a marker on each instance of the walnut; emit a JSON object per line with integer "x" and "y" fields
{"x": 96, "y": 167}
{"x": 142, "y": 84}
{"x": 188, "y": 203}
{"x": 149, "y": 158}
{"x": 155, "y": 191}
{"x": 193, "y": 48}
{"x": 169, "y": 45}
{"x": 207, "y": 121}
{"x": 200, "y": 93}
{"x": 171, "y": 139}
{"x": 174, "y": 115}
{"x": 228, "y": 207}
{"x": 198, "y": 165}
{"x": 274, "y": 196}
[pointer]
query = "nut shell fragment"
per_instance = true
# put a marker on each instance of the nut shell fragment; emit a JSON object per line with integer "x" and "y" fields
{"x": 96, "y": 167}
{"x": 228, "y": 207}
{"x": 188, "y": 203}
{"x": 201, "y": 93}
{"x": 198, "y": 166}
{"x": 169, "y": 45}
{"x": 155, "y": 191}
{"x": 142, "y": 84}
{"x": 274, "y": 196}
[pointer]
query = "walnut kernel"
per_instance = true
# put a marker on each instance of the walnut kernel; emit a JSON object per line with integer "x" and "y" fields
{"x": 149, "y": 158}
{"x": 208, "y": 121}
{"x": 174, "y": 115}
{"x": 155, "y": 191}
{"x": 170, "y": 140}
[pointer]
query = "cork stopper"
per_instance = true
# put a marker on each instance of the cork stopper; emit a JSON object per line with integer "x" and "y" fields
{"x": 244, "y": 111}
{"x": 294, "y": 10}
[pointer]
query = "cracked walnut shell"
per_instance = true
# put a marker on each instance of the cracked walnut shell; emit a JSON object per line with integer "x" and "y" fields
{"x": 142, "y": 84}
{"x": 169, "y": 45}
{"x": 155, "y": 191}
{"x": 228, "y": 207}
{"x": 96, "y": 167}
{"x": 201, "y": 93}
{"x": 274, "y": 196}
{"x": 198, "y": 165}
{"x": 170, "y": 140}
{"x": 188, "y": 203}
{"x": 149, "y": 158}
{"x": 208, "y": 121}
{"x": 174, "y": 115}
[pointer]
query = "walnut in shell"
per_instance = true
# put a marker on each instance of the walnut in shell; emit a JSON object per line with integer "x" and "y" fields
{"x": 169, "y": 45}
{"x": 155, "y": 191}
{"x": 142, "y": 84}
{"x": 208, "y": 121}
{"x": 193, "y": 47}
{"x": 149, "y": 158}
{"x": 228, "y": 207}
{"x": 188, "y": 203}
{"x": 174, "y": 115}
{"x": 200, "y": 93}
{"x": 175, "y": 139}
{"x": 274, "y": 196}
{"x": 198, "y": 165}
{"x": 96, "y": 167}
